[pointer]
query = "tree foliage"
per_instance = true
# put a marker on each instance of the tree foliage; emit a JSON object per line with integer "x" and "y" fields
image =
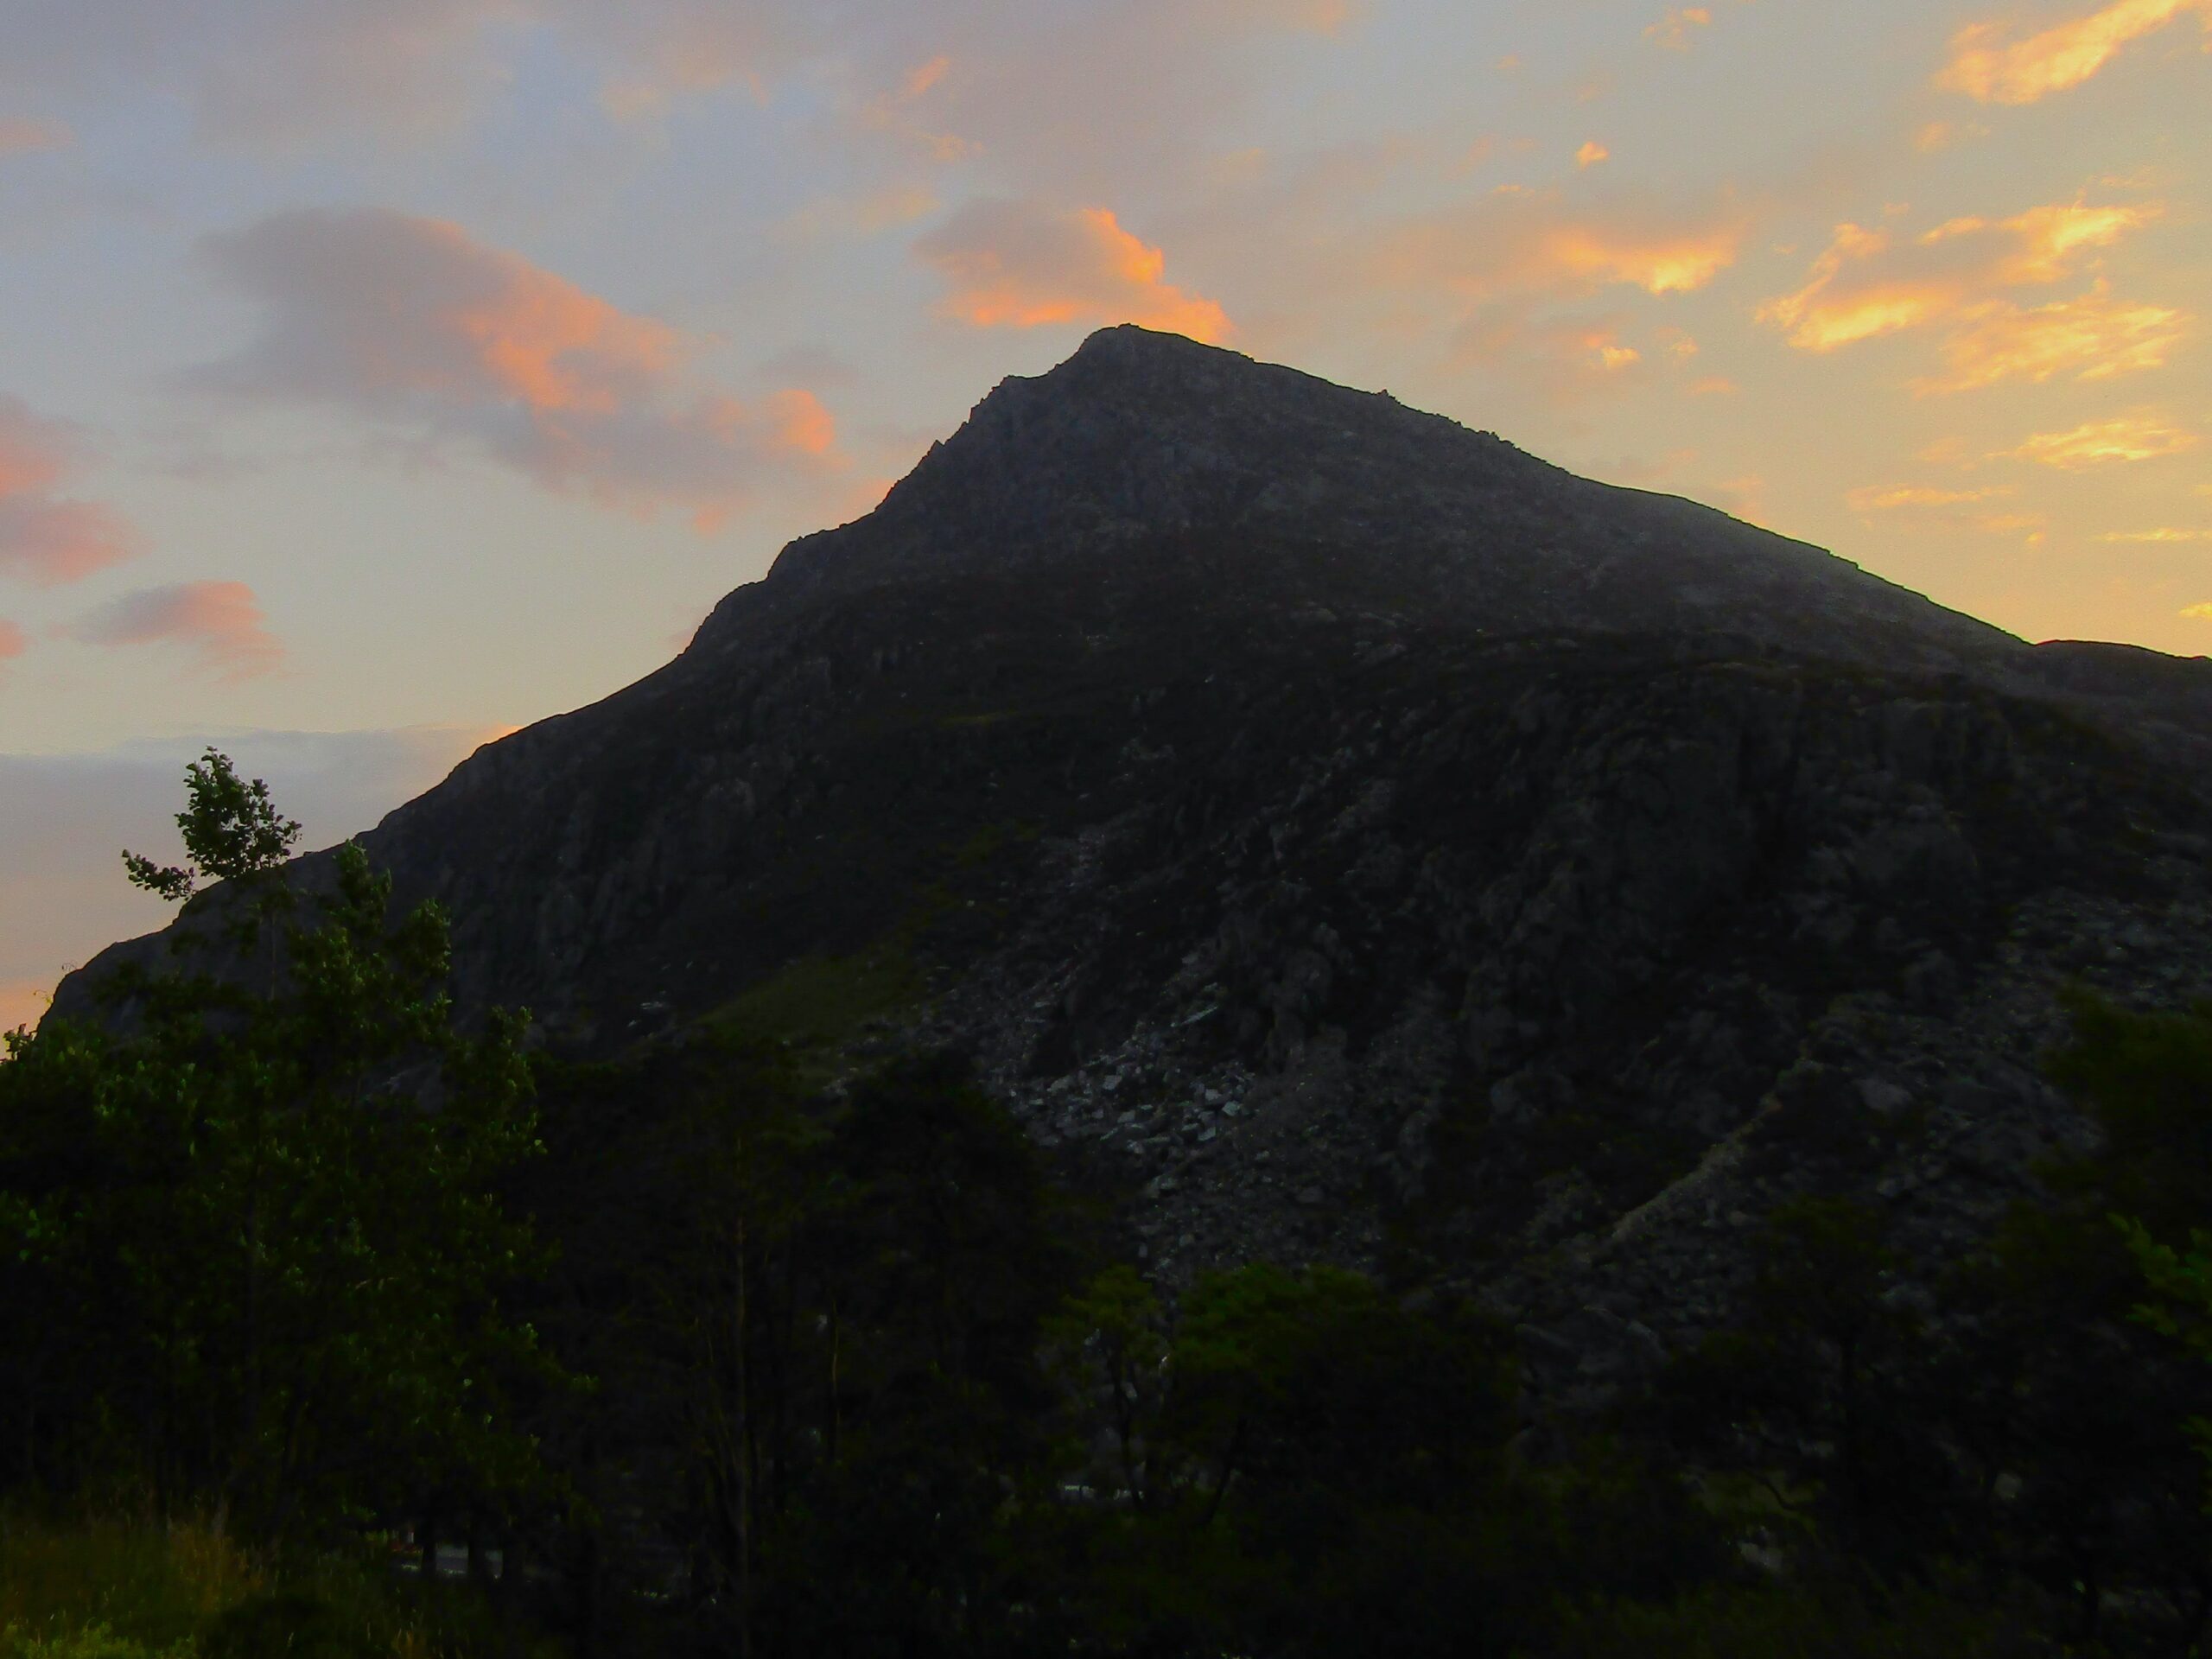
{"x": 254, "y": 1248}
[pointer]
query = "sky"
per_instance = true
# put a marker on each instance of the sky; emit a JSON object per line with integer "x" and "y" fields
{"x": 379, "y": 376}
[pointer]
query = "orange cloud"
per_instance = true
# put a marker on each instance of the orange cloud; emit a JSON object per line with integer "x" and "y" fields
{"x": 1590, "y": 154}
{"x": 1943, "y": 135}
{"x": 2090, "y": 335}
{"x": 893, "y": 113}
{"x": 1673, "y": 31}
{"x": 2135, "y": 437}
{"x": 1869, "y": 283}
{"x": 1530, "y": 243}
{"x": 413, "y": 322}
{"x": 2164, "y": 535}
{"x": 1989, "y": 67}
{"x": 1021, "y": 264}
{"x": 45, "y": 539}
{"x": 2202, "y": 613}
{"x": 1875, "y": 498}
{"x": 12, "y": 642}
{"x": 1713, "y": 385}
{"x": 1872, "y": 282}
{"x": 21, "y": 138}
{"x": 218, "y": 620}
{"x": 1942, "y": 503}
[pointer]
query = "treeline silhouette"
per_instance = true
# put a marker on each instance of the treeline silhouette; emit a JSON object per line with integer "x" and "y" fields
{"x": 709, "y": 1353}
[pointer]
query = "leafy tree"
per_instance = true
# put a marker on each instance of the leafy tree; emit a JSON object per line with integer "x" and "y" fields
{"x": 255, "y": 1218}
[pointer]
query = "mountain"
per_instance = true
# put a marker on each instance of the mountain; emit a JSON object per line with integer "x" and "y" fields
{"x": 1337, "y": 833}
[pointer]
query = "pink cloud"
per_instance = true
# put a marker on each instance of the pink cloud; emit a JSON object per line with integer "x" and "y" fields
{"x": 45, "y": 539}
{"x": 1021, "y": 264}
{"x": 12, "y": 642}
{"x": 415, "y": 324}
{"x": 221, "y": 621}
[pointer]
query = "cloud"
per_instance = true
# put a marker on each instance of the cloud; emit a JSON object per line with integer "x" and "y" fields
{"x": 2204, "y": 612}
{"x": 1873, "y": 283}
{"x": 1532, "y": 243}
{"x": 2090, "y": 335}
{"x": 1590, "y": 154}
{"x": 1988, "y": 67}
{"x": 2165, "y": 534}
{"x": 1868, "y": 282}
{"x": 44, "y": 538}
{"x": 2135, "y": 437}
{"x": 1877, "y": 499}
{"x": 1943, "y": 135}
{"x": 281, "y": 74}
{"x": 1673, "y": 31}
{"x": 1021, "y": 264}
{"x": 12, "y": 642}
{"x": 1927, "y": 504}
{"x": 267, "y": 71}
{"x": 219, "y": 621}
{"x": 1563, "y": 360}
{"x": 65, "y": 817}
{"x": 413, "y": 323}
{"x": 21, "y": 138}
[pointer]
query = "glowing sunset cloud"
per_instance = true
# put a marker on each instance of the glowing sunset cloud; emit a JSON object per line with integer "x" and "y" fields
{"x": 1019, "y": 264}
{"x": 45, "y": 540}
{"x": 380, "y": 305}
{"x": 1986, "y": 68}
{"x": 1870, "y": 283}
{"x": 2091, "y": 335}
{"x": 1875, "y": 498}
{"x": 12, "y": 642}
{"x": 2166, "y": 534}
{"x": 1673, "y": 31}
{"x": 1590, "y": 154}
{"x": 2129, "y": 438}
{"x": 1522, "y": 242}
{"x": 413, "y": 322}
{"x": 218, "y": 620}
{"x": 2201, "y": 612}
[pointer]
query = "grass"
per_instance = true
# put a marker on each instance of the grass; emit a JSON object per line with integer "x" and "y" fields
{"x": 133, "y": 1589}
{"x": 817, "y": 1003}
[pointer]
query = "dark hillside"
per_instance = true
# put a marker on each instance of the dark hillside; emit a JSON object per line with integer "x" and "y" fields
{"x": 1343, "y": 835}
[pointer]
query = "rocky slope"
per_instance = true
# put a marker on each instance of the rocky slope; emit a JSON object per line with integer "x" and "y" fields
{"x": 1338, "y": 833}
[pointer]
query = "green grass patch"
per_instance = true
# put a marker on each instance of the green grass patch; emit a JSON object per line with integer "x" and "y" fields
{"x": 138, "y": 1589}
{"x": 817, "y": 1004}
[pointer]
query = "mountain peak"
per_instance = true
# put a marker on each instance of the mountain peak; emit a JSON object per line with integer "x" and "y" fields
{"x": 1144, "y": 443}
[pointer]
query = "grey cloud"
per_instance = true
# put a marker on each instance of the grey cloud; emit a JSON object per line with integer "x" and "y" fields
{"x": 442, "y": 340}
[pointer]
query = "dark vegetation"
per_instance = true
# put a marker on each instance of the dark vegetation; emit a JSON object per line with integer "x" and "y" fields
{"x": 718, "y": 1346}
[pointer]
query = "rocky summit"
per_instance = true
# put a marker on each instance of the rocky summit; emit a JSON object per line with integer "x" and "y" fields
{"x": 1338, "y": 835}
